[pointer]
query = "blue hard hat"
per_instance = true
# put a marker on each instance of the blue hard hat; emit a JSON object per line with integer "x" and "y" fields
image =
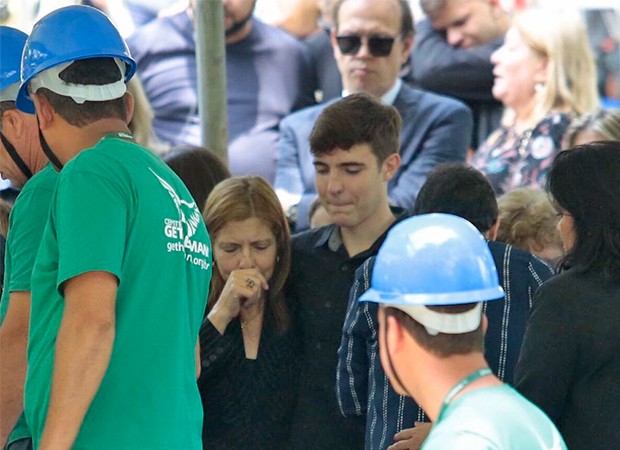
{"x": 69, "y": 34}
{"x": 13, "y": 42}
{"x": 433, "y": 259}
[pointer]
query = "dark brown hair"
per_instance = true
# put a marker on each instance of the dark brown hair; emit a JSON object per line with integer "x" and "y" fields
{"x": 456, "y": 188}
{"x": 92, "y": 71}
{"x": 585, "y": 183}
{"x": 442, "y": 344}
{"x": 407, "y": 27}
{"x": 357, "y": 119}
{"x": 199, "y": 168}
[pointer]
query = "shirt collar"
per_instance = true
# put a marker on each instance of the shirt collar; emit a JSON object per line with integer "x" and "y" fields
{"x": 325, "y": 236}
{"x": 389, "y": 97}
{"x": 330, "y": 234}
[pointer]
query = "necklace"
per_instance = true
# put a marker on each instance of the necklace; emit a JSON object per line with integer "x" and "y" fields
{"x": 246, "y": 322}
{"x": 524, "y": 142}
{"x": 460, "y": 386}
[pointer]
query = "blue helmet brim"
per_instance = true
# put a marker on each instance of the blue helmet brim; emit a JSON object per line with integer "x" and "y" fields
{"x": 23, "y": 101}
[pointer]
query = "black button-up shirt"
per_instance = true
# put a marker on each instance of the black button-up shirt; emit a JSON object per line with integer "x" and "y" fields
{"x": 322, "y": 273}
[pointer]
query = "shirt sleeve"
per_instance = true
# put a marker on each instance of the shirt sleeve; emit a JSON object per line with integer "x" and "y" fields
{"x": 440, "y": 67}
{"x": 353, "y": 365}
{"x": 215, "y": 349}
{"x": 549, "y": 352}
{"x": 92, "y": 214}
{"x": 28, "y": 221}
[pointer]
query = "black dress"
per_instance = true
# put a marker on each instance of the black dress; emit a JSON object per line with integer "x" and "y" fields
{"x": 247, "y": 403}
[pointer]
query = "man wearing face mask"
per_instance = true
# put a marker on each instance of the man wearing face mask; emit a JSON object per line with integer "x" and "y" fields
{"x": 266, "y": 72}
{"x": 371, "y": 39}
{"x": 22, "y": 162}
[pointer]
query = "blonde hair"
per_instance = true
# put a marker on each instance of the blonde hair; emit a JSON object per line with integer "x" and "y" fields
{"x": 527, "y": 219}
{"x": 141, "y": 124}
{"x": 605, "y": 122}
{"x": 561, "y": 38}
{"x": 242, "y": 198}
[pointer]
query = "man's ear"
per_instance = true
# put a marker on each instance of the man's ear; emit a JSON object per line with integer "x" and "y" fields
{"x": 332, "y": 37}
{"x": 130, "y": 103}
{"x": 485, "y": 324}
{"x": 407, "y": 46}
{"x": 492, "y": 233}
{"x": 45, "y": 113}
{"x": 390, "y": 166}
{"x": 394, "y": 335}
{"x": 13, "y": 124}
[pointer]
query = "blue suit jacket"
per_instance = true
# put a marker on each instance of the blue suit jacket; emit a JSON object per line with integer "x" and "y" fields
{"x": 436, "y": 129}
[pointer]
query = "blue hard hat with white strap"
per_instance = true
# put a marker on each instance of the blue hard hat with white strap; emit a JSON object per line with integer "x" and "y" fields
{"x": 66, "y": 35}
{"x": 13, "y": 42}
{"x": 435, "y": 260}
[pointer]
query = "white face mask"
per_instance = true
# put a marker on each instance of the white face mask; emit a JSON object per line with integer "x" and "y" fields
{"x": 80, "y": 93}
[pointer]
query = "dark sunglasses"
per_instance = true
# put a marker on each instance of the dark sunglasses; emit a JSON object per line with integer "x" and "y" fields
{"x": 377, "y": 45}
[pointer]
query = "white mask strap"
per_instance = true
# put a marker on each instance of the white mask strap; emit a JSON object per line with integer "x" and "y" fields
{"x": 80, "y": 93}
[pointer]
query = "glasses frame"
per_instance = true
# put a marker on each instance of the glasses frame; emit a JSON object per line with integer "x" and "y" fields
{"x": 379, "y": 46}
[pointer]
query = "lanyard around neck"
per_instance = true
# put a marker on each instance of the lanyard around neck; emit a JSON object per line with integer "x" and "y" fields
{"x": 460, "y": 386}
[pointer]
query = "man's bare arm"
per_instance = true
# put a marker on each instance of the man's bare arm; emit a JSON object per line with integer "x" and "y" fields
{"x": 83, "y": 349}
{"x": 13, "y": 345}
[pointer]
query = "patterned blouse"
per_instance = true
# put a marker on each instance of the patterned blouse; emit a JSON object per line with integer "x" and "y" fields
{"x": 510, "y": 160}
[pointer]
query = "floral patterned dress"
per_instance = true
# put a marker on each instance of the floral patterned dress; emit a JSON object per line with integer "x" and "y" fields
{"x": 510, "y": 160}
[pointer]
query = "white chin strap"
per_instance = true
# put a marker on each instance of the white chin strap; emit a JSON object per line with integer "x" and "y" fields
{"x": 9, "y": 93}
{"x": 80, "y": 93}
{"x": 436, "y": 322}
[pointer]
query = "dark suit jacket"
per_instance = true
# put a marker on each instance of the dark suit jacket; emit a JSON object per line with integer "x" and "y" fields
{"x": 465, "y": 74}
{"x": 326, "y": 77}
{"x": 436, "y": 129}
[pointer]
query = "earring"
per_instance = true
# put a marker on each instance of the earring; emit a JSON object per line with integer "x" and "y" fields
{"x": 539, "y": 87}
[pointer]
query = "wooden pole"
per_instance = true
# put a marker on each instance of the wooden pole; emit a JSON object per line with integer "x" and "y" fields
{"x": 211, "y": 67}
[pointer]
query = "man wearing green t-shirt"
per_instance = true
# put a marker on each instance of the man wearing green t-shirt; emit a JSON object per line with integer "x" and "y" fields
{"x": 22, "y": 162}
{"x": 120, "y": 282}
{"x": 431, "y": 277}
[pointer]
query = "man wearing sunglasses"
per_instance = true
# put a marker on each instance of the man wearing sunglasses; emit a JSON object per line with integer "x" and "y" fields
{"x": 371, "y": 39}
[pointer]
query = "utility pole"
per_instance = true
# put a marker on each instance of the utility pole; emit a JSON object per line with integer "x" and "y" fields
{"x": 211, "y": 67}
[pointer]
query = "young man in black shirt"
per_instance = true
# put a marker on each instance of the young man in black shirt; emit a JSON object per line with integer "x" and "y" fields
{"x": 355, "y": 146}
